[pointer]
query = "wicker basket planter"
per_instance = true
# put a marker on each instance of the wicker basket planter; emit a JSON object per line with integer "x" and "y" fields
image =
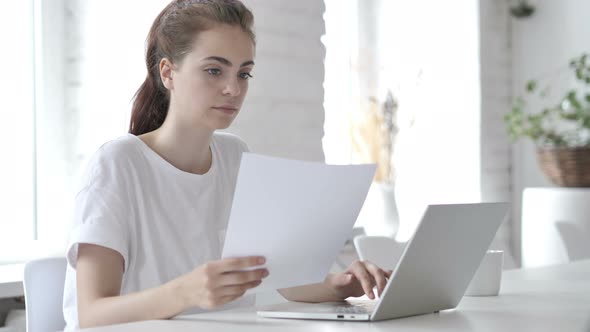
{"x": 568, "y": 167}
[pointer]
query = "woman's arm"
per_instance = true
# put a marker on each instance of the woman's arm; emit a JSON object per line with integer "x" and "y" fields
{"x": 99, "y": 274}
{"x": 357, "y": 280}
{"x": 313, "y": 293}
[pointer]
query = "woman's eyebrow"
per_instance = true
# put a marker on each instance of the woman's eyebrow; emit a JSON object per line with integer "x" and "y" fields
{"x": 227, "y": 62}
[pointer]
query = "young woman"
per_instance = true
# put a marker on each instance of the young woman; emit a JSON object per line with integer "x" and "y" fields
{"x": 153, "y": 205}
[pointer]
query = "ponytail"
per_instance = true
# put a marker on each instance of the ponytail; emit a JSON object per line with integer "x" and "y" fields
{"x": 151, "y": 101}
{"x": 149, "y": 108}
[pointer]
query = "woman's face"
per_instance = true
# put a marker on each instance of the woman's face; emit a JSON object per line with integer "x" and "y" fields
{"x": 209, "y": 85}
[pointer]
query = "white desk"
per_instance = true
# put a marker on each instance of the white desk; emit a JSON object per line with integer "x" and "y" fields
{"x": 11, "y": 277}
{"x": 553, "y": 298}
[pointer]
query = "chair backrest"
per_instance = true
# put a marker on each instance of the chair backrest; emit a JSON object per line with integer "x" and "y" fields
{"x": 44, "y": 286}
{"x": 383, "y": 251}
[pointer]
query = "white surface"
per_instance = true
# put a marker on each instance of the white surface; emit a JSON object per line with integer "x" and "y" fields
{"x": 289, "y": 211}
{"x": 16, "y": 320}
{"x": 11, "y": 280}
{"x": 488, "y": 277}
{"x": 555, "y": 298}
{"x": 555, "y": 225}
{"x": 384, "y": 251}
{"x": 44, "y": 284}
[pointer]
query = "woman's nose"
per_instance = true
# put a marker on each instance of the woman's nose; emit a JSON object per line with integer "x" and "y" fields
{"x": 232, "y": 87}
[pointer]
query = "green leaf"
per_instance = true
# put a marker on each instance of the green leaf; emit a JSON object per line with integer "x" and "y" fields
{"x": 545, "y": 127}
{"x": 573, "y": 99}
{"x": 569, "y": 116}
{"x": 531, "y": 85}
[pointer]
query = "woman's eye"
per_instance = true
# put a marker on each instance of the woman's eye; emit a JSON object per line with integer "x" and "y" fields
{"x": 213, "y": 72}
{"x": 245, "y": 76}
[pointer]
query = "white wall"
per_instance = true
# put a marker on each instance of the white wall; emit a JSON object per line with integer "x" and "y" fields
{"x": 541, "y": 44}
{"x": 283, "y": 114}
{"x": 429, "y": 58}
{"x": 496, "y": 95}
{"x": 17, "y": 112}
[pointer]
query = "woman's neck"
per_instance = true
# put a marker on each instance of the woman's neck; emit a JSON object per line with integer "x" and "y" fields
{"x": 184, "y": 147}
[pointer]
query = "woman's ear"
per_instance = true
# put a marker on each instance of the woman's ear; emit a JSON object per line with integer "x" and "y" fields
{"x": 166, "y": 73}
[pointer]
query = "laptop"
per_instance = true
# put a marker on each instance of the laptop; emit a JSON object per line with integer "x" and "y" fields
{"x": 432, "y": 275}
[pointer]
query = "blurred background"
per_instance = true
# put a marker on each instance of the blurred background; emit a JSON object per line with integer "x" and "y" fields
{"x": 420, "y": 87}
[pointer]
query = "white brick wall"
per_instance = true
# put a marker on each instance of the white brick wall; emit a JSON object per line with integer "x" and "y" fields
{"x": 496, "y": 95}
{"x": 283, "y": 114}
{"x": 496, "y": 98}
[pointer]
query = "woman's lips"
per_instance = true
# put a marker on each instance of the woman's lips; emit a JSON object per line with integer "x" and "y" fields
{"x": 226, "y": 109}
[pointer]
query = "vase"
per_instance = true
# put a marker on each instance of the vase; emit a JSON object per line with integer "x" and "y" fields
{"x": 379, "y": 215}
{"x": 390, "y": 212}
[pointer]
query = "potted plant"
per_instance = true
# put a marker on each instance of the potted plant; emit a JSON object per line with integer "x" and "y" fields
{"x": 374, "y": 132}
{"x": 560, "y": 132}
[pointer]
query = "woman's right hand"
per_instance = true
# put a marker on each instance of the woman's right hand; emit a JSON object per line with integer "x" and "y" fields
{"x": 216, "y": 283}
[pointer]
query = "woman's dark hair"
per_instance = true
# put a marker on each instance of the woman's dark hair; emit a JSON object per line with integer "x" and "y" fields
{"x": 171, "y": 36}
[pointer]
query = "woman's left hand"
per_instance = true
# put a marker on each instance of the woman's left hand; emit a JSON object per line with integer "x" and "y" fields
{"x": 358, "y": 279}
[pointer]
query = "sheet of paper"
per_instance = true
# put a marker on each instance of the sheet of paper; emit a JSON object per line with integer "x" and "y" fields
{"x": 297, "y": 214}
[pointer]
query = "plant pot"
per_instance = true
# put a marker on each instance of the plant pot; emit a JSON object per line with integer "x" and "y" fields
{"x": 567, "y": 167}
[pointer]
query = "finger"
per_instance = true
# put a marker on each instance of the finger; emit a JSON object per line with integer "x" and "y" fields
{"x": 238, "y": 290}
{"x": 237, "y": 263}
{"x": 241, "y": 277}
{"x": 388, "y": 273}
{"x": 378, "y": 275}
{"x": 362, "y": 275}
{"x": 230, "y": 298}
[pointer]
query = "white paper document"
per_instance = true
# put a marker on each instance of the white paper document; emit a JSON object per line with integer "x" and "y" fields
{"x": 297, "y": 214}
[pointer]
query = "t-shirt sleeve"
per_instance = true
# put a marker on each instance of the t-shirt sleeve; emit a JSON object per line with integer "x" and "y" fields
{"x": 100, "y": 218}
{"x": 242, "y": 146}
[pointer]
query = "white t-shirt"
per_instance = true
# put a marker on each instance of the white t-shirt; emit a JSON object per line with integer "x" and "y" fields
{"x": 163, "y": 221}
